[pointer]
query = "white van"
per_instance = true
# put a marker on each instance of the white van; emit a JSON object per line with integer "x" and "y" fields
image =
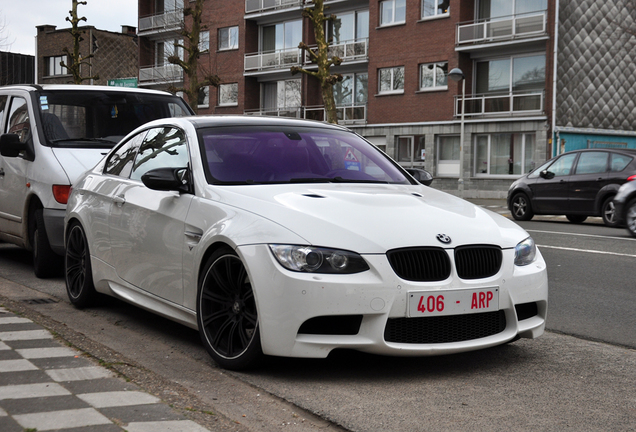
{"x": 49, "y": 135}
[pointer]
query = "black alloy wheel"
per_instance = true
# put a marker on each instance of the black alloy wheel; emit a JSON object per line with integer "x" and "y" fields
{"x": 630, "y": 217}
{"x": 608, "y": 212}
{"x": 77, "y": 268}
{"x": 577, "y": 219}
{"x": 226, "y": 312}
{"x": 520, "y": 207}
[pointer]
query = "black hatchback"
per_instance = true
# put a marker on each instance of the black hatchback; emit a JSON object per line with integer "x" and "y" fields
{"x": 576, "y": 184}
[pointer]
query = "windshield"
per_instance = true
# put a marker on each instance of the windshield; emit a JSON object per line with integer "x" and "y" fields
{"x": 101, "y": 118}
{"x": 253, "y": 155}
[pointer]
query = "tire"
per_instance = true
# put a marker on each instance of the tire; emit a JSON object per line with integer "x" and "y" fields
{"x": 630, "y": 217}
{"x": 608, "y": 212}
{"x": 78, "y": 273}
{"x": 577, "y": 219}
{"x": 46, "y": 263}
{"x": 226, "y": 312}
{"x": 520, "y": 207}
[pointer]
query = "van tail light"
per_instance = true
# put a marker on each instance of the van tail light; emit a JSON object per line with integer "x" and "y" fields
{"x": 631, "y": 178}
{"x": 61, "y": 193}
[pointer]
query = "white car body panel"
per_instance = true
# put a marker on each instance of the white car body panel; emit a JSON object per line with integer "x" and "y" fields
{"x": 150, "y": 250}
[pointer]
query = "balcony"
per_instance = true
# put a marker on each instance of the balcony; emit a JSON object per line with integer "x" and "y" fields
{"x": 294, "y": 112}
{"x": 166, "y": 21}
{"x": 503, "y": 29}
{"x": 347, "y": 51}
{"x": 160, "y": 74}
{"x": 273, "y": 60}
{"x": 504, "y": 105}
{"x": 258, "y": 6}
{"x": 355, "y": 114}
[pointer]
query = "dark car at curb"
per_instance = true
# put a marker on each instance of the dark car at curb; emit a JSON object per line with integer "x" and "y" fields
{"x": 577, "y": 184}
{"x": 625, "y": 205}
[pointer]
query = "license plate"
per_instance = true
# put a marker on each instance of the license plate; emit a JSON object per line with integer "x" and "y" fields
{"x": 453, "y": 302}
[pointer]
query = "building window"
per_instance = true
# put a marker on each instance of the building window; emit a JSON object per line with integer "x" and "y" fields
{"x": 433, "y": 76}
{"x": 391, "y": 80}
{"x": 411, "y": 149}
{"x": 434, "y": 8}
{"x": 53, "y": 66}
{"x": 348, "y": 27}
{"x": 448, "y": 155}
{"x": 228, "y": 94}
{"x": 392, "y": 12}
{"x": 505, "y": 154}
{"x": 495, "y": 9}
{"x": 203, "y": 101}
{"x": 281, "y": 97}
{"x": 228, "y": 38}
{"x": 204, "y": 41}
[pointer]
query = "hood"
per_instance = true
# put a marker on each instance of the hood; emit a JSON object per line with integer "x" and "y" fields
{"x": 75, "y": 161}
{"x": 374, "y": 218}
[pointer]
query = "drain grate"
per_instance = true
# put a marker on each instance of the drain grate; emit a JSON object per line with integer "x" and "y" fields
{"x": 40, "y": 301}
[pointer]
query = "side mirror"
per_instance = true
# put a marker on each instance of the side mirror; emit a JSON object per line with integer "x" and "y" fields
{"x": 10, "y": 145}
{"x": 167, "y": 179}
{"x": 547, "y": 174}
{"x": 421, "y": 175}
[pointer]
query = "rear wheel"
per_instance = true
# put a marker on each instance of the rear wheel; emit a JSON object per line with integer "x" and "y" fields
{"x": 577, "y": 219}
{"x": 46, "y": 263}
{"x": 630, "y": 217}
{"x": 226, "y": 312}
{"x": 520, "y": 207}
{"x": 78, "y": 273}
{"x": 608, "y": 212}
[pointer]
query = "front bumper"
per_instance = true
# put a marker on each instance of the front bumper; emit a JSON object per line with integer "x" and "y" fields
{"x": 286, "y": 300}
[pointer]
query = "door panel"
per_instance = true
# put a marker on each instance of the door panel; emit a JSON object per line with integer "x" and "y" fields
{"x": 551, "y": 194}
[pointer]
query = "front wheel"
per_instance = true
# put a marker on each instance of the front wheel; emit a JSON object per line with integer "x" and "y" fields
{"x": 630, "y": 217}
{"x": 608, "y": 212}
{"x": 226, "y": 312}
{"x": 520, "y": 207}
{"x": 77, "y": 268}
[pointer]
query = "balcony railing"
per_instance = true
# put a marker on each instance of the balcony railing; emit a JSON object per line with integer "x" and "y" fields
{"x": 279, "y": 59}
{"x": 160, "y": 74}
{"x": 166, "y": 20}
{"x": 254, "y": 6}
{"x": 502, "y": 29}
{"x": 508, "y": 104}
{"x": 353, "y": 114}
{"x": 347, "y": 50}
{"x": 295, "y": 112}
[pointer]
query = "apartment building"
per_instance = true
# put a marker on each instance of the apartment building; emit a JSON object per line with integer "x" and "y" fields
{"x": 114, "y": 54}
{"x": 538, "y": 79}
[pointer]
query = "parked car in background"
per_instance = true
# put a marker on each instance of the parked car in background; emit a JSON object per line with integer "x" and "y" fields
{"x": 625, "y": 205}
{"x": 577, "y": 184}
{"x": 49, "y": 135}
{"x": 294, "y": 238}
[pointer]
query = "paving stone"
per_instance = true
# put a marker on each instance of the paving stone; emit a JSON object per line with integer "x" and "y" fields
{"x": 142, "y": 413}
{"x": 24, "y": 377}
{"x": 43, "y": 404}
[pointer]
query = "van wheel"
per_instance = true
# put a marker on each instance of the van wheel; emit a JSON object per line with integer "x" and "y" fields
{"x": 608, "y": 212}
{"x": 46, "y": 263}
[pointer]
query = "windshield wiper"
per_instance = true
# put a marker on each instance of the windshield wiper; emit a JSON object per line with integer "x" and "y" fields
{"x": 310, "y": 180}
{"x": 100, "y": 140}
{"x": 339, "y": 179}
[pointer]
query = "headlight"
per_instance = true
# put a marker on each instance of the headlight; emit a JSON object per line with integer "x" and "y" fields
{"x": 525, "y": 252}
{"x": 318, "y": 260}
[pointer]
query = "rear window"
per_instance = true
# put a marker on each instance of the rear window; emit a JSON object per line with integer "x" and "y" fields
{"x": 619, "y": 162}
{"x": 101, "y": 118}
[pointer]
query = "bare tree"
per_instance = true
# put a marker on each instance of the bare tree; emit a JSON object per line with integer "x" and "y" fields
{"x": 190, "y": 64}
{"x": 76, "y": 59}
{"x": 321, "y": 56}
{"x": 5, "y": 41}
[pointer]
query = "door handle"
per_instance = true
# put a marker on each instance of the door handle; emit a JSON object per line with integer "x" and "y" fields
{"x": 1, "y": 172}
{"x": 119, "y": 200}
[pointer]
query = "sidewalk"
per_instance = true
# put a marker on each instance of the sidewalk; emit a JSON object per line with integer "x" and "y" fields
{"x": 45, "y": 385}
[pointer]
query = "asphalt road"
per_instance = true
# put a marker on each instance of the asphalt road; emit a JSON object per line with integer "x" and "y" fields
{"x": 557, "y": 382}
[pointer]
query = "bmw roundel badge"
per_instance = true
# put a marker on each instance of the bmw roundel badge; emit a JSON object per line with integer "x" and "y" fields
{"x": 443, "y": 238}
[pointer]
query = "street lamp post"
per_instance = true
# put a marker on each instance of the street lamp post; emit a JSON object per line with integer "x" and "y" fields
{"x": 457, "y": 75}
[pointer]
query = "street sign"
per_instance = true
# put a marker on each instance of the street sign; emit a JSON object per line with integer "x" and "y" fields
{"x": 123, "y": 82}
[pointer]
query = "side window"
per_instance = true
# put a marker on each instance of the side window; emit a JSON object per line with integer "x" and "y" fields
{"x": 563, "y": 165}
{"x": 619, "y": 162}
{"x": 120, "y": 162}
{"x": 19, "y": 121}
{"x": 162, "y": 148}
{"x": 3, "y": 104}
{"x": 592, "y": 163}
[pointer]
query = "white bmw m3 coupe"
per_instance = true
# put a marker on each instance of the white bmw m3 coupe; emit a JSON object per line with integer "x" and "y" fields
{"x": 294, "y": 238}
